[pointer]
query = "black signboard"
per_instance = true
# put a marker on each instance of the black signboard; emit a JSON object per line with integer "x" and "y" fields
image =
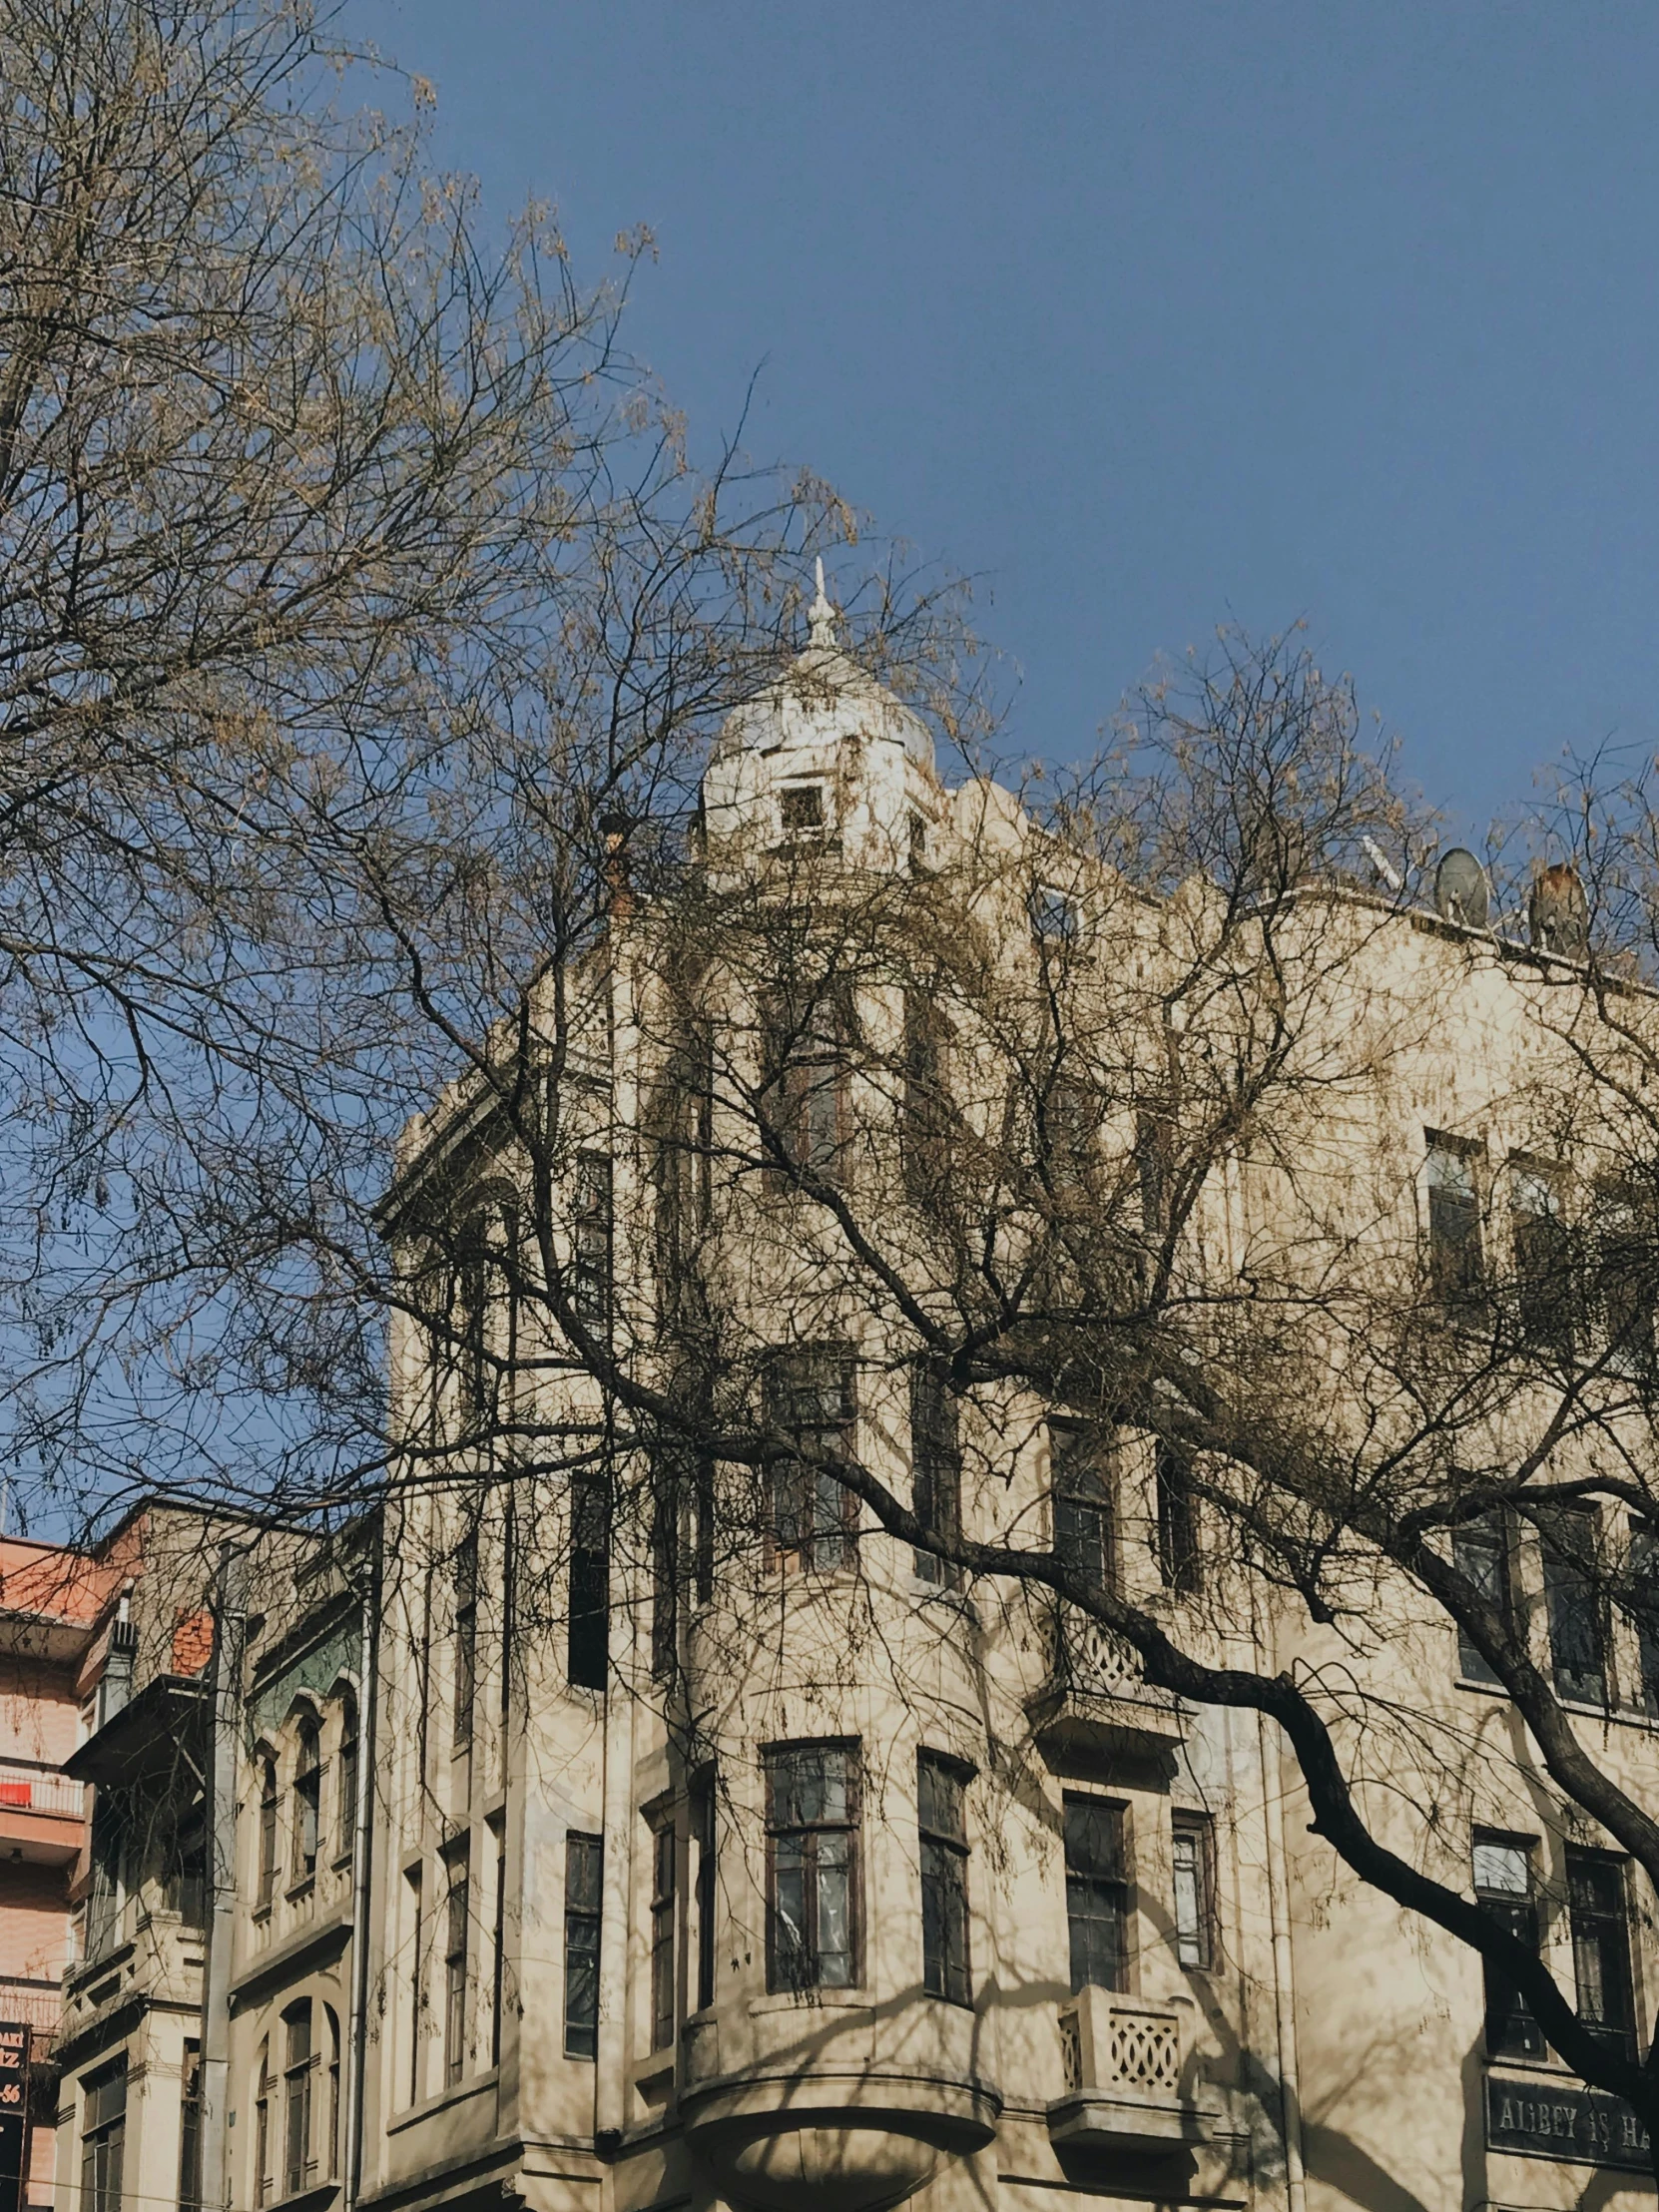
{"x": 1564, "y": 2120}
{"x": 14, "y": 2112}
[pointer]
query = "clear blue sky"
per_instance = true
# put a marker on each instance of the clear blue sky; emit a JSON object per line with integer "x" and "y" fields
{"x": 1153, "y": 315}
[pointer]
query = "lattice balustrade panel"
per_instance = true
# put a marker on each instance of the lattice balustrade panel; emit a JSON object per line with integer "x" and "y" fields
{"x": 1071, "y": 2051}
{"x": 1098, "y": 1663}
{"x": 1144, "y": 2052}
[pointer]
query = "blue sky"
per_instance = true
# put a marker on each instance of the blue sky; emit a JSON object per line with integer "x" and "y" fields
{"x": 1154, "y": 317}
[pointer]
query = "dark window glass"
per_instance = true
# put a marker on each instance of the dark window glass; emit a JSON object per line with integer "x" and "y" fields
{"x": 1097, "y": 1893}
{"x": 1083, "y": 1534}
{"x": 498, "y": 1940}
{"x": 1194, "y": 1849}
{"x": 268, "y": 1832}
{"x": 584, "y": 1882}
{"x": 331, "y": 2140}
{"x": 109, "y": 1851}
{"x": 662, "y": 1956}
{"x": 800, "y": 807}
{"x": 590, "y": 1583}
{"x": 703, "y": 1829}
{"x": 308, "y": 1802}
{"x": 1599, "y": 1912}
{"x": 812, "y": 1867}
{"x": 1455, "y": 1265}
{"x": 104, "y": 2137}
{"x": 591, "y": 1239}
{"x": 1480, "y": 1553}
{"x": 417, "y": 1982}
{"x": 346, "y": 1795}
{"x": 469, "y": 1318}
{"x": 935, "y": 1467}
{"x": 665, "y": 1486}
{"x": 186, "y": 1885}
{"x": 1503, "y": 1887}
{"x": 940, "y": 1787}
{"x": 1543, "y": 1258}
{"x": 1623, "y": 1259}
{"x": 810, "y": 1397}
{"x": 1573, "y": 1601}
{"x": 299, "y": 2076}
{"x": 190, "y": 2131}
{"x": 924, "y": 1124}
{"x": 465, "y": 1570}
{"x": 456, "y": 1969}
{"x": 1642, "y": 1604}
{"x": 806, "y": 1093}
{"x": 1177, "y": 1521}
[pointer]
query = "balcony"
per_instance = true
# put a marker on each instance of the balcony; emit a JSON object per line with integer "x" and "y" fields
{"x": 1096, "y": 1693}
{"x": 41, "y": 1814}
{"x": 1124, "y": 2065}
{"x": 35, "y": 2004}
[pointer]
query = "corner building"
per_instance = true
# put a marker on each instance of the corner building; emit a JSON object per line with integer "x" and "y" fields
{"x": 785, "y": 1875}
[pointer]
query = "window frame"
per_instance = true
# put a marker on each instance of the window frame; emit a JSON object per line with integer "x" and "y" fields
{"x": 1198, "y": 1830}
{"x": 803, "y": 1493}
{"x": 1611, "y": 1916}
{"x": 1470, "y": 1554}
{"x": 299, "y": 2070}
{"x": 104, "y": 2135}
{"x": 805, "y": 1972}
{"x": 1117, "y": 1880}
{"x": 583, "y": 1930}
{"x": 936, "y": 1468}
{"x": 1519, "y": 2035}
{"x": 943, "y": 1851}
{"x": 1082, "y": 1491}
{"x": 1567, "y": 1584}
{"x": 664, "y": 1912}
{"x": 305, "y": 1843}
{"x": 1457, "y": 1256}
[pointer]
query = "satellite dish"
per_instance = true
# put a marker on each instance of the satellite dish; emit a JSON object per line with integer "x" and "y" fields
{"x": 1559, "y": 914}
{"x": 1460, "y": 892}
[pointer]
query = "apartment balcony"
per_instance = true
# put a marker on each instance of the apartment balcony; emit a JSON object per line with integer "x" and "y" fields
{"x": 41, "y": 1814}
{"x": 1096, "y": 1693}
{"x": 1125, "y": 2067}
{"x": 36, "y": 2006}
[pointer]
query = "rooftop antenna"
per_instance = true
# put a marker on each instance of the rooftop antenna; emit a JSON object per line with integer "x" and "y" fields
{"x": 1383, "y": 865}
{"x": 820, "y": 615}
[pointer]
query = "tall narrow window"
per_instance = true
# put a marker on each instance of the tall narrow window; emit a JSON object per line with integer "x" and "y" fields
{"x": 1193, "y": 1843}
{"x": 109, "y": 1851}
{"x": 104, "y": 2137}
{"x": 268, "y": 1832}
{"x": 702, "y": 1834}
{"x": 924, "y": 1124}
{"x": 584, "y": 1883}
{"x": 1642, "y": 1604}
{"x": 664, "y": 1854}
{"x": 1097, "y": 1893}
{"x": 591, "y": 1231}
{"x": 265, "y": 2181}
{"x": 469, "y": 1321}
{"x": 1543, "y": 1257}
{"x": 190, "y": 2130}
{"x": 705, "y": 1533}
{"x": 1599, "y": 1911}
{"x": 330, "y": 2160}
{"x": 498, "y": 1940}
{"x": 590, "y": 1582}
{"x": 418, "y": 1985}
{"x": 298, "y": 2079}
{"x": 1480, "y": 1553}
{"x": 1455, "y": 1265}
{"x": 1622, "y": 1255}
{"x": 345, "y": 1817}
{"x": 935, "y": 1467}
{"x": 805, "y": 1103}
{"x": 1503, "y": 1887}
{"x": 812, "y": 1867}
{"x": 1176, "y": 1520}
{"x": 1573, "y": 1602}
{"x": 940, "y": 1788}
{"x": 809, "y": 1398}
{"x": 456, "y": 1965}
{"x": 666, "y": 1475}
{"x": 1083, "y": 1534}
{"x": 308, "y": 1801}
{"x": 465, "y": 1570}
{"x": 186, "y": 1885}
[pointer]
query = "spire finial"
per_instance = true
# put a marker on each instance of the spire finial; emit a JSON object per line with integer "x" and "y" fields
{"x": 820, "y": 615}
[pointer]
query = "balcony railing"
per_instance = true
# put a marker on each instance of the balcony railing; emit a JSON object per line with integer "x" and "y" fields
{"x": 39, "y": 1790}
{"x": 1096, "y": 1684}
{"x": 38, "y": 2004}
{"x": 1123, "y": 2064}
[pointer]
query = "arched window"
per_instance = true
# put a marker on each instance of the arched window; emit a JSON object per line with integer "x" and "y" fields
{"x": 308, "y": 1801}
{"x": 299, "y": 2060}
{"x": 268, "y": 1829}
{"x": 347, "y": 1796}
{"x": 262, "y": 2126}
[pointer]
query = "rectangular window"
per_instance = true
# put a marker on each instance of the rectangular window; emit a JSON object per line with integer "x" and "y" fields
{"x": 924, "y": 1123}
{"x": 590, "y": 1583}
{"x": 935, "y": 1467}
{"x": 806, "y": 1093}
{"x": 810, "y": 1397}
{"x": 187, "y": 1869}
{"x": 109, "y": 1846}
{"x": 664, "y": 1855}
{"x": 1642, "y": 1604}
{"x": 465, "y": 1570}
{"x": 298, "y": 2075}
{"x": 1599, "y": 1911}
{"x": 190, "y": 2131}
{"x": 1193, "y": 1841}
{"x": 665, "y": 1487}
{"x": 1480, "y": 1553}
{"x": 584, "y": 1882}
{"x": 1622, "y": 1256}
{"x": 1543, "y": 1258}
{"x": 591, "y": 1229}
{"x": 1573, "y": 1602}
{"x": 940, "y": 1788}
{"x": 703, "y": 1832}
{"x": 104, "y": 2137}
{"x": 456, "y": 1966}
{"x": 812, "y": 1867}
{"x": 498, "y": 1938}
{"x": 801, "y": 810}
{"x": 308, "y": 1801}
{"x": 1097, "y": 1893}
{"x": 349, "y": 1741}
{"x": 1083, "y": 1532}
{"x": 1455, "y": 1265}
{"x": 1503, "y": 1887}
{"x": 1177, "y": 1521}
{"x": 417, "y": 1982}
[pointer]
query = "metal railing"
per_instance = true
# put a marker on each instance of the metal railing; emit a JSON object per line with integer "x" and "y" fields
{"x": 39, "y": 1790}
{"x": 37, "y": 2004}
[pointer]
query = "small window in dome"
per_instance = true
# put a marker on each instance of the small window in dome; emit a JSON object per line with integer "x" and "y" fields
{"x": 1055, "y": 917}
{"x": 800, "y": 807}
